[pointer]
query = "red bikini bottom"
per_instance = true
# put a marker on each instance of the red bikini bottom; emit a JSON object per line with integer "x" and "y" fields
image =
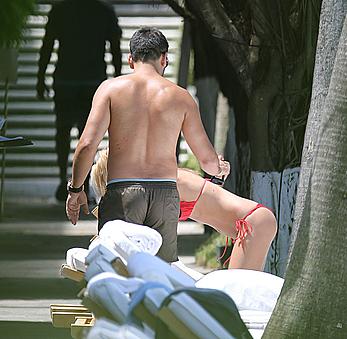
{"x": 243, "y": 228}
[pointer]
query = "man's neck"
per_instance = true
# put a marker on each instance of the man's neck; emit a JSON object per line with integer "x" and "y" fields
{"x": 146, "y": 68}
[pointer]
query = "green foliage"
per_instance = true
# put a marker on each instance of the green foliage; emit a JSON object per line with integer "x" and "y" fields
{"x": 206, "y": 254}
{"x": 13, "y": 14}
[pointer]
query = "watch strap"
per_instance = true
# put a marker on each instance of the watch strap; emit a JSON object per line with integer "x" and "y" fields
{"x": 72, "y": 189}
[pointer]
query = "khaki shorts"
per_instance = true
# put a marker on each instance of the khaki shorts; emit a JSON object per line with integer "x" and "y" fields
{"x": 150, "y": 203}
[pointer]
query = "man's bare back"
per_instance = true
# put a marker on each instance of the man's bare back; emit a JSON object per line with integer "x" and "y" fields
{"x": 147, "y": 113}
{"x": 144, "y": 114}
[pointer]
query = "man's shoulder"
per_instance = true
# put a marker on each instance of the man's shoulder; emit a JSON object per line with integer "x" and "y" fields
{"x": 119, "y": 82}
{"x": 179, "y": 92}
{"x": 174, "y": 88}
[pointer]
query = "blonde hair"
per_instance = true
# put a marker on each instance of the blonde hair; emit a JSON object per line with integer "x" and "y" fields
{"x": 98, "y": 175}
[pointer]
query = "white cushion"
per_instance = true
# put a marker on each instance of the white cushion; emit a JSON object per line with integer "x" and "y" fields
{"x": 250, "y": 290}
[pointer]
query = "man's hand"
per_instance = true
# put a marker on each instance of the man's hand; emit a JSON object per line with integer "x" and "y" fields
{"x": 74, "y": 202}
{"x": 224, "y": 167}
{"x": 41, "y": 89}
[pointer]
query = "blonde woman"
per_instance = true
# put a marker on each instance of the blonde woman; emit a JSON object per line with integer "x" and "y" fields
{"x": 250, "y": 225}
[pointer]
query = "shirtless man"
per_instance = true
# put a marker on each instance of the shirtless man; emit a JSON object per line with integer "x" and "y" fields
{"x": 144, "y": 114}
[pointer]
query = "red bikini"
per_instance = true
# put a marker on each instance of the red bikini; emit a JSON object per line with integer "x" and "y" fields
{"x": 186, "y": 207}
{"x": 242, "y": 226}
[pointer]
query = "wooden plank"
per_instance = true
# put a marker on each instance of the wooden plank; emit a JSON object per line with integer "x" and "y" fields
{"x": 79, "y": 326}
{"x": 70, "y": 273}
{"x": 68, "y": 308}
{"x": 65, "y": 319}
{"x": 120, "y": 268}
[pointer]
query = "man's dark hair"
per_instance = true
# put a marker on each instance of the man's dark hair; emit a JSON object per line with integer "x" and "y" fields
{"x": 148, "y": 43}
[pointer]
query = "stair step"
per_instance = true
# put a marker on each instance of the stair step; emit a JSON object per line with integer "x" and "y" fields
{"x": 32, "y": 159}
{"x": 167, "y": 25}
{"x": 27, "y": 83}
{"x": 18, "y": 95}
{"x": 32, "y": 163}
{"x": 135, "y": 9}
{"x": 35, "y": 118}
{"x": 32, "y": 172}
{"x": 30, "y": 71}
{"x": 38, "y": 107}
{"x": 46, "y": 146}
{"x": 36, "y": 148}
{"x": 32, "y": 59}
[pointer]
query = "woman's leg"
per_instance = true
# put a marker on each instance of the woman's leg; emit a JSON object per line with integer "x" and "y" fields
{"x": 221, "y": 209}
{"x": 251, "y": 252}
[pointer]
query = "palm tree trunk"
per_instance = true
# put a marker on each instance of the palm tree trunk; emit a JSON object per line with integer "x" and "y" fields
{"x": 313, "y": 300}
{"x": 327, "y": 43}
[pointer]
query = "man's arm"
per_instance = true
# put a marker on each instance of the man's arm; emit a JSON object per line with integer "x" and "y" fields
{"x": 45, "y": 54}
{"x": 95, "y": 129}
{"x": 197, "y": 139}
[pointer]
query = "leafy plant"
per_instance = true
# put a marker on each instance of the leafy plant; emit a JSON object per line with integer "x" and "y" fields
{"x": 13, "y": 14}
{"x": 207, "y": 255}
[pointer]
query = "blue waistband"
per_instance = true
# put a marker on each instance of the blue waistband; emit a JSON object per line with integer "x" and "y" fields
{"x": 112, "y": 181}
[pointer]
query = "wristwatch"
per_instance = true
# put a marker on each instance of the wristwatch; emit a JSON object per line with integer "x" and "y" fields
{"x": 217, "y": 181}
{"x": 72, "y": 189}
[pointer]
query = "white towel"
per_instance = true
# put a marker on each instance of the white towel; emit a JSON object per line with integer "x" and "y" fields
{"x": 250, "y": 290}
{"x": 75, "y": 258}
{"x": 145, "y": 238}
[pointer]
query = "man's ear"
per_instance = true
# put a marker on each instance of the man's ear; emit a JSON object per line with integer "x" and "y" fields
{"x": 164, "y": 61}
{"x": 130, "y": 61}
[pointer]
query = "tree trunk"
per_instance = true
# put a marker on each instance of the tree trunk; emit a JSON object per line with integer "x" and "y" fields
{"x": 329, "y": 34}
{"x": 313, "y": 299}
{"x": 211, "y": 12}
{"x": 258, "y": 115}
{"x": 207, "y": 90}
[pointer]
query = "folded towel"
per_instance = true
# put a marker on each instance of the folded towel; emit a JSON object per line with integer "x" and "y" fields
{"x": 75, "y": 258}
{"x": 145, "y": 238}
